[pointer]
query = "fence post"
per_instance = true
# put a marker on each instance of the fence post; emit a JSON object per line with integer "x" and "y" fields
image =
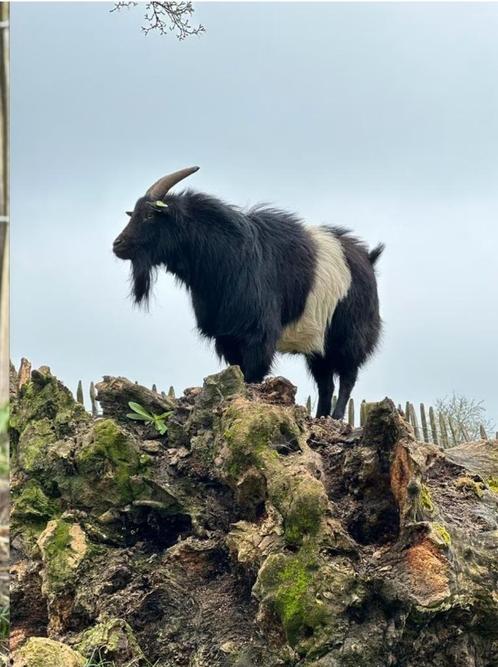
{"x": 79, "y": 393}
{"x": 482, "y": 433}
{"x": 414, "y": 420}
{"x": 452, "y": 429}
{"x": 443, "y": 431}
{"x": 423, "y": 419}
{"x": 363, "y": 414}
{"x": 351, "y": 412}
{"x": 154, "y": 389}
{"x": 407, "y": 411}
{"x": 93, "y": 400}
{"x": 308, "y": 405}
{"x": 171, "y": 392}
{"x": 432, "y": 417}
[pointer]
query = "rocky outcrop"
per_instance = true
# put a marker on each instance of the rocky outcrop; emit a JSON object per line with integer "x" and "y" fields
{"x": 248, "y": 534}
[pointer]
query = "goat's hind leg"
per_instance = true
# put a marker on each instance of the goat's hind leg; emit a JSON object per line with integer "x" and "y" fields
{"x": 347, "y": 382}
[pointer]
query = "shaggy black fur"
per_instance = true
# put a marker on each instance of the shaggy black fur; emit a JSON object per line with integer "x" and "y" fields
{"x": 249, "y": 275}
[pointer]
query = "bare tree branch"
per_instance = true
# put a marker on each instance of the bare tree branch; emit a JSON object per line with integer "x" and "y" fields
{"x": 165, "y": 17}
{"x": 467, "y": 415}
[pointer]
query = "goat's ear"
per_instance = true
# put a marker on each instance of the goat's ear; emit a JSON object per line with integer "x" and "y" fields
{"x": 129, "y": 213}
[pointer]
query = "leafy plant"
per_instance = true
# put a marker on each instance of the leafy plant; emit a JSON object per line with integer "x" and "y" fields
{"x": 141, "y": 414}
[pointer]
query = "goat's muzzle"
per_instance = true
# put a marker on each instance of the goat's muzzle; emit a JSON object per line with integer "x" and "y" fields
{"x": 122, "y": 249}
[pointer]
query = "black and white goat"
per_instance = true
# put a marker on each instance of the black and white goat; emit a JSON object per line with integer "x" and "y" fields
{"x": 260, "y": 282}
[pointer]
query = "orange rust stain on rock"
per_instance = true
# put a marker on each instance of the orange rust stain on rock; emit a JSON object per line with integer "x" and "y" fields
{"x": 428, "y": 572}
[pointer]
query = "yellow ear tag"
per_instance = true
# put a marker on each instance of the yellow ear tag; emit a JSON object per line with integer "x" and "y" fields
{"x": 160, "y": 203}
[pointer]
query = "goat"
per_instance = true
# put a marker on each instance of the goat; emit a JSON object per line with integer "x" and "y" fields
{"x": 260, "y": 283}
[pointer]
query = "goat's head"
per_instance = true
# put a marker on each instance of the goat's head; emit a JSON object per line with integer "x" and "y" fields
{"x": 141, "y": 238}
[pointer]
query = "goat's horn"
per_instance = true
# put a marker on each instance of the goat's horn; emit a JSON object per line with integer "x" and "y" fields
{"x": 161, "y": 187}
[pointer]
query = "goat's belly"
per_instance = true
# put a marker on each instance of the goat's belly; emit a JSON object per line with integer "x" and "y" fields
{"x": 306, "y": 336}
{"x": 331, "y": 284}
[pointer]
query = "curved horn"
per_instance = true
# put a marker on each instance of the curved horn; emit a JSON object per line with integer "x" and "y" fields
{"x": 161, "y": 187}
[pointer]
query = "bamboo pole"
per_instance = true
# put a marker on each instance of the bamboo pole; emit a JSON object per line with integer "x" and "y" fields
{"x": 4, "y": 202}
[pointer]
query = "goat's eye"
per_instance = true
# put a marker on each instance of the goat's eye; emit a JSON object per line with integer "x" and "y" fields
{"x": 129, "y": 213}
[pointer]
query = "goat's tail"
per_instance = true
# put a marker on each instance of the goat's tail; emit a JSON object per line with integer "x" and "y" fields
{"x": 374, "y": 254}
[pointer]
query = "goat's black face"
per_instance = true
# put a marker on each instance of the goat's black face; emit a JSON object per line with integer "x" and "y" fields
{"x": 139, "y": 242}
{"x": 142, "y": 231}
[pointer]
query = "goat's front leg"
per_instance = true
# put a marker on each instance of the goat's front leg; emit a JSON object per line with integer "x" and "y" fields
{"x": 257, "y": 359}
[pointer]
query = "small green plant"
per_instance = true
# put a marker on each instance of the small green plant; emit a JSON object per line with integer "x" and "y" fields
{"x": 141, "y": 414}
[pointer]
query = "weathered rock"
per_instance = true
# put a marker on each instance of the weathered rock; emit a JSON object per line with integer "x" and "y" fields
{"x": 112, "y": 639}
{"x": 250, "y": 534}
{"x": 42, "y": 652}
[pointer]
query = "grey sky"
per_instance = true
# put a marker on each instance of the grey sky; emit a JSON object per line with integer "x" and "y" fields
{"x": 379, "y": 117}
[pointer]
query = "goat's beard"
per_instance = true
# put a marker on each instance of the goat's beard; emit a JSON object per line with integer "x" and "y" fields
{"x": 142, "y": 277}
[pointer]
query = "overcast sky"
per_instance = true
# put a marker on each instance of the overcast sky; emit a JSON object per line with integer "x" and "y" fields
{"x": 379, "y": 117}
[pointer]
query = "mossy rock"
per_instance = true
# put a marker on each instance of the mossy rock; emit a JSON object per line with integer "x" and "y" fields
{"x": 44, "y": 397}
{"x": 106, "y": 466}
{"x": 113, "y": 640}
{"x": 43, "y": 652}
{"x": 253, "y": 437}
{"x": 32, "y": 506}
{"x": 63, "y": 546}
{"x": 305, "y": 511}
{"x": 286, "y": 584}
{"x": 43, "y": 413}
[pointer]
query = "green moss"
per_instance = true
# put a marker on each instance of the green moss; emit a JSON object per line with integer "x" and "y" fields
{"x": 43, "y": 652}
{"x": 441, "y": 532}
{"x": 32, "y": 505}
{"x": 33, "y": 445}
{"x": 44, "y": 397}
{"x": 44, "y": 413}
{"x": 55, "y": 556}
{"x": 290, "y": 581}
{"x": 493, "y": 484}
{"x": 63, "y": 546}
{"x": 304, "y": 516}
{"x": 470, "y": 484}
{"x": 112, "y": 639}
{"x": 425, "y": 499}
{"x": 106, "y": 464}
{"x": 251, "y": 433}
